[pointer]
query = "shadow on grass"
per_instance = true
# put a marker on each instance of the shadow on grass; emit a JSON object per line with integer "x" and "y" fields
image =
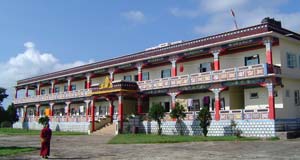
{"x": 12, "y": 150}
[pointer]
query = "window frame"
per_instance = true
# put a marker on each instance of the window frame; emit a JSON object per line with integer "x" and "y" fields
{"x": 165, "y": 75}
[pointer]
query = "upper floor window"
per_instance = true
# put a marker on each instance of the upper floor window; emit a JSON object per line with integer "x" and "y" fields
{"x": 65, "y": 88}
{"x": 50, "y": 90}
{"x": 43, "y": 91}
{"x": 205, "y": 67}
{"x": 146, "y": 76}
{"x": 127, "y": 78}
{"x": 165, "y": 73}
{"x": 73, "y": 87}
{"x": 136, "y": 77}
{"x": 56, "y": 90}
{"x": 252, "y": 60}
{"x": 291, "y": 60}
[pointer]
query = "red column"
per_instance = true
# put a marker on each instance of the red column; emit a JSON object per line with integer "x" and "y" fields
{"x": 216, "y": 60}
{"x": 26, "y": 91}
{"x": 140, "y": 74}
{"x": 53, "y": 86}
{"x": 67, "y": 109}
{"x": 140, "y": 107}
{"x": 37, "y": 109}
{"x": 111, "y": 109}
{"x": 271, "y": 100}
{"x": 93, "y": 114}
{"x": 51, "y": 109}
{"x": 120, "y": 108}
{"x": 38, "y": 89}
{"x": 25, "y": 111}
{"x": 217, "y": 92}
{"x": 69, "y": 84}
{"x": 269, "y": 58}
{"x": 174, "y": 68}
{"x": 111, "y": 74}
{"x": 88, "y": 81}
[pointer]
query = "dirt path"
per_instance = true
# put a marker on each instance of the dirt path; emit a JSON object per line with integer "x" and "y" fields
{"x": 95, "y": 147}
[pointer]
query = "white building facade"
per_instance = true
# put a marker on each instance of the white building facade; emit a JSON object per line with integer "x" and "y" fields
{"x": 250, "y": 75}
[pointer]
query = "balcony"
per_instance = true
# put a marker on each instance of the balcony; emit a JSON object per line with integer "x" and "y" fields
{"x": 239, "y": 73}
{"x": 56, "y": 96}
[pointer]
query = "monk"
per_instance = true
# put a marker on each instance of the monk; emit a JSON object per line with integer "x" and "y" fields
{"x": 45, "y": 135}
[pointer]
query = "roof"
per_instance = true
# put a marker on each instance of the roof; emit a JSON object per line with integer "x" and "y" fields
{"x": 243, "y": 32}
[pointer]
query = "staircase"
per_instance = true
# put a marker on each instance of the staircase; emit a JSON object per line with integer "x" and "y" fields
{"x": 108, "y": 129}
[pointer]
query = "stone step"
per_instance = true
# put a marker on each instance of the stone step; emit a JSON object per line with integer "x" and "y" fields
{"x": 108, "y": 129}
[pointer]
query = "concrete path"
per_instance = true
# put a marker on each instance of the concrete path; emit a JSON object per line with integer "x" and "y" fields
{"x": 95, "y": 147}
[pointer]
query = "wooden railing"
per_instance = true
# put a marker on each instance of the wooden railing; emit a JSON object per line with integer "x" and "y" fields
{"x": 238, "y": 73}
{"x": 55, "y": 96}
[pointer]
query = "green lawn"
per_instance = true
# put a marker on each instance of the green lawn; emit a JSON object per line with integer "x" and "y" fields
{"x": 151, "y": 138}
{"x": 6, "y": 151}
{"x": 13, "y": 131}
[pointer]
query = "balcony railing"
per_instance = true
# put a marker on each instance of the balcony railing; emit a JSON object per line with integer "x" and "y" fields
{"x": 238, "y": 73}
{"x": 55, "y": 96}
{"x": 245, "y": 114}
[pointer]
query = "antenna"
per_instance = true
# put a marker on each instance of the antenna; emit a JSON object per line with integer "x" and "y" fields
{"x": 234, "y": 19}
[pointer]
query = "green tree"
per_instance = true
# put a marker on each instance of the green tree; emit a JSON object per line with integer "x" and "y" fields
{"x": 44, "y": 120}
{"x": 205, "y": 118}
{"x": 157, "y": 113}
{"x": 179, "y": 113}
{"x": 2, "y": 114}
{"x": 11, "y": 114}
{"x": 3, "y": 95}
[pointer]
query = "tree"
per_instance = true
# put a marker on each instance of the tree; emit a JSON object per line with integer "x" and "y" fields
{"x": 3, "y": 95}
{"x": 157, "y": 113}
{"x": 178, "y": 113}
{"x": 44, "y": 120}
{"x": 205, "y": 118}
{"x": 11, "y": 114}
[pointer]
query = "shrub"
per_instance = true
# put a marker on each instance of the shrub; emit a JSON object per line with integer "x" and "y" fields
{"x": 44, "y": 120}
{"x": 6, "y": 124}
{"x": 205, "y": 118}
{"x": 179, "y": 113}
{"x": 157, "y": 113}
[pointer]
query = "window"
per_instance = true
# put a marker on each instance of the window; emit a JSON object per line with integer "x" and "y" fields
{"x": 166, "y": 73}
{"x": 73, "y": 87}
{"x": 50, "y": 90}
{"x": 65, "y": 88}
{"x": 146, "y": 76}
{"x": 43, "y": 92}
{"x": 193, "y": 105}
{"x": 252, "y": 60}
{"x": 56, "y": 89}
{"x": 254, "y": 95}
{"x": 205, "y": 67}
{"x": 287, "y": 93}
{"x": 297, "y": 98}
{"x": 136, "y": 78}
{"x": 127, "y": 78}
{"x": 291, "y": 60}
{"x": 166, "y": 106}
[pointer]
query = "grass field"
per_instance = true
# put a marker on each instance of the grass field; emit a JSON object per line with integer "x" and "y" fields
{"x": 6, "y": 151}
{"x": 13, "y": 131}
{"x": 150, "y": 138}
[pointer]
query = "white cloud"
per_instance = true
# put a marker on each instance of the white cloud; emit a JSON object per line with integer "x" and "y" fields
{"x": 27, "y": 64}
{"x": 217, "y": 17}
{"x": 134, "y": 16}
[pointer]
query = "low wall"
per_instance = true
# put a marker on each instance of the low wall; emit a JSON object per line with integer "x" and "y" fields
{"x": 55, "y": 126}
{"x": 248, "y": 128}
{"x": 287, "y": 125}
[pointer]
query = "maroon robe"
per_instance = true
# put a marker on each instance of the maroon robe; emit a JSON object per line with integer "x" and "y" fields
{"x": 45, "y": 135}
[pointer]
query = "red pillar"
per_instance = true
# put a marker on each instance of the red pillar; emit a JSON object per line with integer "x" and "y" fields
{"x": 269, "y": 57}
{"x": 93, "y": 114}
{"x": 52, "y": 86}
{"x": 120, "y": 108}
{"x": 37, "y": 109}
{"x": 140, "y": 75}
{"x": 26, "y": 91}
{"x": 111, "y": 110}
{"x": 69, "y": 84}
{"x": 174, "y": 68}
{"x": 217, "y": 109}
{"x": 271, "y": 100}
{"x": 216, "y": 60}
{"x": 38, "y": 89}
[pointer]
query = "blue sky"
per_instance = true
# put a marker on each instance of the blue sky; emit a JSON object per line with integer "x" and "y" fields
{"x": 43, "y": 36}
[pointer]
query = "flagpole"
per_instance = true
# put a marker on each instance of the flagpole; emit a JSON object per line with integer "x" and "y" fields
{"x": 234, "y": 19}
